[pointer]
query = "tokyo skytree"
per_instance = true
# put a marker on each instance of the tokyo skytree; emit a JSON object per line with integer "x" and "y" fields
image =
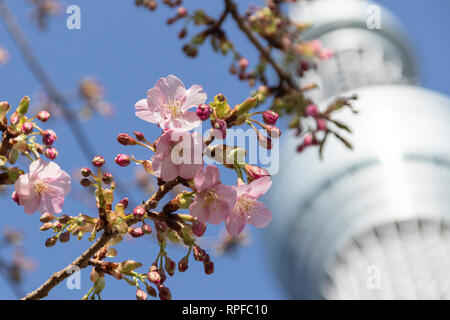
{"x": 372, "y": 223}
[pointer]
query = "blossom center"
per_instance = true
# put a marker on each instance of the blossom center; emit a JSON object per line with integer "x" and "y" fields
{"x": 209, "y": 198}
{"x": 41, "y": 187}
{"x": 174, "y": 107}
{"x": 247, "y": 206}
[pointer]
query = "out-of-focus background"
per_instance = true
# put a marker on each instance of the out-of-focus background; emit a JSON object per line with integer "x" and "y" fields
{"x": 127, "y": 49}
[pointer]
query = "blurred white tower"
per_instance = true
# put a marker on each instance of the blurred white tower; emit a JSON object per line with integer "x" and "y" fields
{"x": 373, "y": 223}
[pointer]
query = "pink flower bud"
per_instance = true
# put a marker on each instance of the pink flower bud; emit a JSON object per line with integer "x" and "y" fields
{"x": 203, "y": 112}
{"x": 126, "y": 140}
{"x": 273, "y": 132}
{"x": 124, "y": 201}
{"x": 243, "y": 63}
{"x": 270, "y": 117}
{"x": 182, "y": 12}
{"x": 321, "y": 125}
{"x": 46, "y": 217}
{"x": 141, "y": 295}
{"x": 198, "y": 228}
{"x": 43, "y": 116}
{"x": 27, "y": 127}
{"x": 254, "y": 172}
{"x": 48, "y": 137}
{"x": 312, "y": 111}
{"x": 15, "y": 197}
{"x": 51, "y": 153}
{"x": 107, "y": 178}
{"x": 154, "y": 277}
{"x": 122, "y": 160}
{"x": 183, "y": 264}
{"x": 50, "y": 242}
{"x": 170, "y": 266}
{"x": 146, "y": 228}
{"x": 139, "y": 211}
{"x": 265, "y": 142}
{"x": 46, "y": 226}
{"x": 300, "y": 148}
{"x": 139, "y": 136}
{"x": 136, "y": 232}
{"x": 198, "y": 253}
{"x": 164, "y": 293}
{"x": 86, "y": 172}
{"x": 98, "y": 161}
{"x": 85, "y": 182}
{"x": 307, "y": 141}
{"x": 221, "y": 125}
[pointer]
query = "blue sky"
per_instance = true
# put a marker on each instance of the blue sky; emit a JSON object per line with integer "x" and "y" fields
{"x": 128, "y": 49}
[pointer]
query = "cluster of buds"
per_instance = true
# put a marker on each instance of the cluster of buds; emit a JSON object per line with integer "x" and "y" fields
{"x": 19, "y": 136}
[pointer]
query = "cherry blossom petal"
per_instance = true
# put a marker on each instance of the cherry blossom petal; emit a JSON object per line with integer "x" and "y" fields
{"x": 220, "y": 211}
{"x": 169, "y": 86}
{"x": 227, "y": 194}
{"x": 235, "y": 223}
{"x": 194, "y": 97}
{"x": 30, "y": 203}
{"x": 200, "y": 210}
{"x": 150, "y": 114}
{"x": 261, "y": 216}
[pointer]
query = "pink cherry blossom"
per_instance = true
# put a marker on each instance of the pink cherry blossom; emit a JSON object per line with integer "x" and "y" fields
{"x": 43, "y": 188}
{"x": 167, "y": 104}
{"x": 214, "y": 200}
{"x": 247, "y": 208}
{"x": 178, "y": 153}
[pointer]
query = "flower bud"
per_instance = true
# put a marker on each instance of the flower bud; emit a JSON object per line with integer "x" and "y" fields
{"x": 198, "y": 228}
{"x": 98, "y": 161}
{"x": 312, "y": 111}
{"x": 141, "y": 295}
{"x": 64, "y": 218}
{"x": 124, "y": 201}
{"x": 86, "y": 172}
{"x": 146, "y": 228}
{"x": 273, "y": 132}
{"x": 48, "y": 137}
{"x": 46, "y": 226}
{"x": 51, "y": 153}
{"x": 136, "y": 232}
{"x": 27, "y": 127}
{"x": 64, "y": 237}
{"x": 161, "y": 226}
{"x": 221, "y": 125}
{"x": 181, "y": 12}
{"x": 43, "y": 116}
{"x": 270, "y": 117}
{"x": 307, "y": 140}
{"x": 139, "y": 136}
{"x": 85, "y": 182}
{"x": 99, "y": 285}
{"x": 57, "y": 226}
{"x": 107, "y": 178}
{"x": 154, "y": 277}
{"x": 203, "y": 112}
{"x": 46, "y": 217}
{"x": 321, "y": 125}
{"x": 15, "y": 197}
{"x": 183, "y": 264}
{"x": 14, "y": 119}
{"x": 243, "y": 63}
{"x": 265, "y": 142}
{"x": 122, "y": 160}
{"x": 126, "y": 140}
{"x": 164, "y": 293}
{"x": 209, "y": 267}
{"x": 198, "y": 253}
{"x": 170, "y": 266}
{"x": 50, "y": 242}
{"x": 139, "y": 211}
{"x": 151, "y": 291}
{"x": 254, "y": 172}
